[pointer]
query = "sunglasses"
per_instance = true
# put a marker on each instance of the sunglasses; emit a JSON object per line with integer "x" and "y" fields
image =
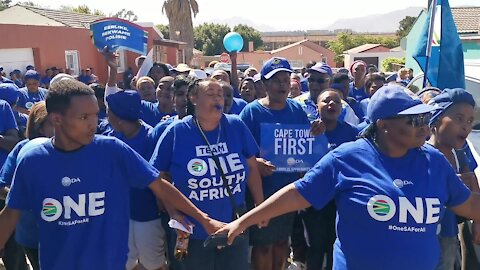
{"x": 319, "y": 80}
{"x": 416, "y": 120}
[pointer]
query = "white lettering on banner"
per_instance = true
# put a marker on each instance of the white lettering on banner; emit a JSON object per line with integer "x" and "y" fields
{"x": 52, "y": 209}
{"x": 383, "y": 208}
{"x": 218, "y": 149}
{"x": 293, "y": 142}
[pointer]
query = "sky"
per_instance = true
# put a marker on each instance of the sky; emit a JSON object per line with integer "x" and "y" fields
{"x": 279, "y": 14}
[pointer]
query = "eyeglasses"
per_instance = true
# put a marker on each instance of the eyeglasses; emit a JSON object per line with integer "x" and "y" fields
{"x": 416, "y": 120}
{"x": 319, "y": 80}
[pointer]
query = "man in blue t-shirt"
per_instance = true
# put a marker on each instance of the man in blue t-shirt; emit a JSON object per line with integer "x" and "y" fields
{"x": 8, "y": 130}
{"x": 10, "y": 92}
{"x": 81, "y": 201}
{"x": 31, "y": 93}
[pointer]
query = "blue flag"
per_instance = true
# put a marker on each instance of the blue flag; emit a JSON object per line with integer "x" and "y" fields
{"x": 117, "y": 34}
{"x": 446, "y": 66}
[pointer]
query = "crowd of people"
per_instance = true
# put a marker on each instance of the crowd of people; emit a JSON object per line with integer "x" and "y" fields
{"x": 92, "y": 173}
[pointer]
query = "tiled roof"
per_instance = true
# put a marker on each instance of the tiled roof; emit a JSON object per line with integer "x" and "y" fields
{"x": 467, "y": 19}
{"x": 69, "y": 19}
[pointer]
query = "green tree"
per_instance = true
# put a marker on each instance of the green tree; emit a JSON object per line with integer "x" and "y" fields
{"x": 164, "y": 29}
{"x": 4, "y": 4}
{"x": 29, "y": 3}
{"x": 126, "y": 15}
{"x": 404, "y": 26}
{"x": 249, "y": 34}
{"x": 179, "y": 14}
{"x": 209, "y": 37}
{"x": 347, "y": 41}
{"x": 389, "y": 63}
{"x": 84, "y": 9}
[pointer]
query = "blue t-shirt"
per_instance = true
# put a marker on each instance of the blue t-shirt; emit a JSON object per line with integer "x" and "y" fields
{"x": 45, "y": 80}
{"x": 388, "y": 209}
{"x": 356, "y": 107}
{"x": 81, "y": 201}
{"x": 357, "y": 93}
{"x": 254, "y": 115}
{"x": 160, "y": 128}
{"x": 27, "y": 99}
{"x": 343, "y": 133}
{"x": 364, "y": 105}
{"x": 151, "y": 114}
{"x": 449, "y": 226}
{"x": 143, "y": 204}
{"x": 183, "y": 152}
{"x": 26, "y": 232}
{"x": 7, "y": 122}
{"x": 237, "y": 105}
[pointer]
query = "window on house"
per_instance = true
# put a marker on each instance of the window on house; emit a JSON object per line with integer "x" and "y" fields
{"x": 72, "y": 62}
{"x": 324, "y": 59}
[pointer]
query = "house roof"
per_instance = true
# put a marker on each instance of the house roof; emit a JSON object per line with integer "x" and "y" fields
{"x": 69, "y": 19}
{"x": 362, "y": 48}
{"x": 305, "y": 42}
{"x": 467, "y": 19}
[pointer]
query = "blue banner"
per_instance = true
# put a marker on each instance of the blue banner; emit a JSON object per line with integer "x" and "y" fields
{"x": 446, "y": 66}
{"x": 291, "y": 148}
{"x": 117, "y": 34}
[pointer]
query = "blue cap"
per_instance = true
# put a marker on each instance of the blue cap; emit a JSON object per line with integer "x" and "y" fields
{"x": 321, "y": 68}
{"x": 30, "y": 67}
{"x": 392, "y": 100}
{"x": 9, "y": 92}
{"x": 32, "y": 74}
{"x": 447, "y": 98}
{"x": 125, "y": 104}
{"x": 274, "y": 65}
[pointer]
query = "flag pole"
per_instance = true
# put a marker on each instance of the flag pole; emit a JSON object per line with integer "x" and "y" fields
{"x": 433, "y": 11}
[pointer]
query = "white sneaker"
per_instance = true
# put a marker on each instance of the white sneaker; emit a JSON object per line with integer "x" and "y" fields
{"x": 297, "y": 266}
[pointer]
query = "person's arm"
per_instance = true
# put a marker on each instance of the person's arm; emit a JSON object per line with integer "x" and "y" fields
{"x": 8, "y": 220}
{"x": 234, "y": 73}
{"x": 171, "y": 196}
{"x": 9, "y": 140}
{"x": 111, "y": 61}
{"x": 255, "y": 181}
{"x": 3, "y": 193}
{"x": 286, "y": 200}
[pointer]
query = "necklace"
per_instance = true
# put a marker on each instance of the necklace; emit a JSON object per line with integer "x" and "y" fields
{"x": 203, "y": 133}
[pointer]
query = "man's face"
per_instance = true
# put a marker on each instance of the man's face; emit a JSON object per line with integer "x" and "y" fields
{"x": 317, "y": 82}
{"x": 78, "y": 123}
{"x": 32, "y": 84}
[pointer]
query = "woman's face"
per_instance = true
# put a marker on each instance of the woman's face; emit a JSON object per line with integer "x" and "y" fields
{"x": 209, "y": 101}
{"x": 157, "y": 73}
{"x": 278, "y": 87}
{"x": 375, "y": 86}
{"x": 146, "y": 90}
{"x": 294, "y": 89}
{"x": 247, "y": 91}
{"x": 329, "y": 105}
{"x": 454, "y": 127}
{"x": 405, "y": 133}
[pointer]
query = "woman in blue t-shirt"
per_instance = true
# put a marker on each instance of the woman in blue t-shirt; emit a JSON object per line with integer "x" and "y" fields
{"x": 450, "y": 126}
{"x": 270, "y": 244}
{"x": 26, "y": 233}
{"x": 202, "y": 153}
{"x": 390, "y": 189}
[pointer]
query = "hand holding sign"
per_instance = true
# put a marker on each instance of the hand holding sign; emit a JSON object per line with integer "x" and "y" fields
{"x": 115, "y": 33}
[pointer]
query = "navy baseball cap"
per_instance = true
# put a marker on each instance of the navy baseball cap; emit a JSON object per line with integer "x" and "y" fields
{"x": 30, "y": 67}
{"x": 321, "y": 68}
{"x": 32, "y": 74}
{"x": 447, "y": 98}
{"x": 390, "y": 101}
{"x": 125, "y": 104}
{"x": 274, "y": 65}
{"x": 9, "y": 92}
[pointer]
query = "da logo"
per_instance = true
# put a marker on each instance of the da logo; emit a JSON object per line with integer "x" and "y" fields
{"x": 381, "y": 208}
{"x": 29, "y": 105}
{"x": 197, "y": 167}
{"x": 277, "y": 61}
{"x": 51, "y": 210}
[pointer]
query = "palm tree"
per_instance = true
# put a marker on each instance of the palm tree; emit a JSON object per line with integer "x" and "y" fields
{"x": 179, "y": 14}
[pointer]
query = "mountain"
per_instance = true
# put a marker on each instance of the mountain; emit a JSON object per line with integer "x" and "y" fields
{"x": 239, "y": 20}
{"x": 389, "y": 21}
